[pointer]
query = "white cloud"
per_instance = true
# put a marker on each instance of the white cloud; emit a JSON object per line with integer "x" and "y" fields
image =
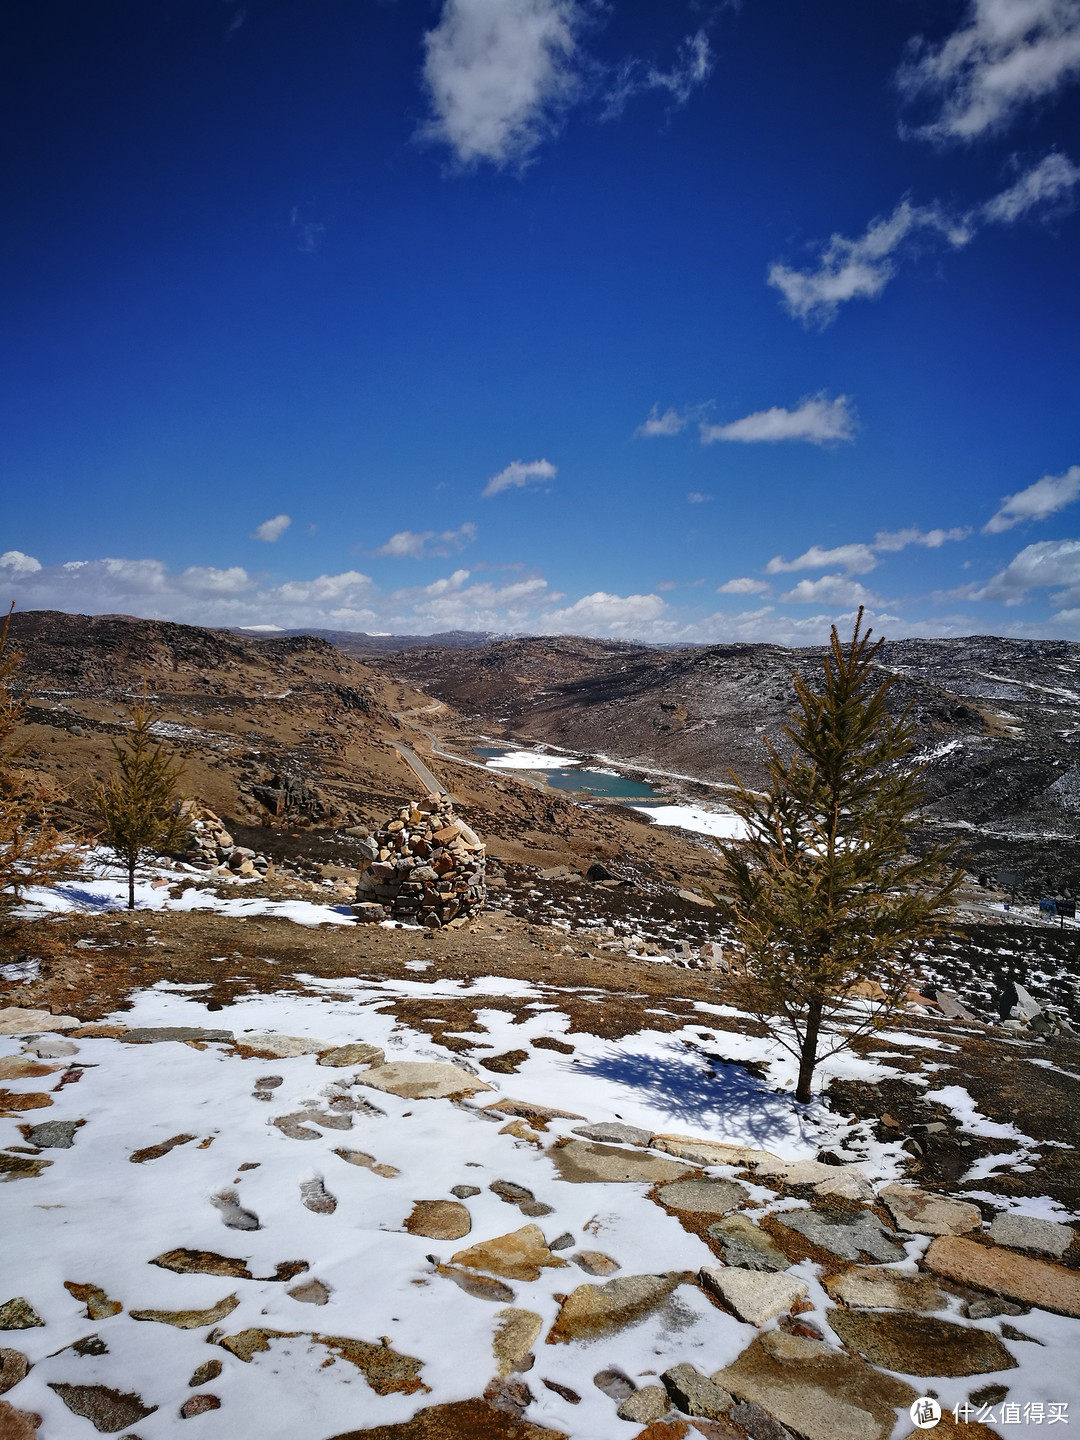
{"x": 271, "y": 530}
{"x": 18, "y": 563}
{"x": 207, "y": 580}
{"x": 417, "y": 546}
{"x": 1053, "y": 180}
{"x": 697, "y": 497}
{"x": 1040, "y": 566}
{"x": 856, "y": 560}
{"x": 693, "y": 66}
{"x": 744, "y": 585}
{"x": 519, "y": 473}
{"x": 893, "y": 540}
{"x": 861, "y": 268}
{"x": 1040, "y": 500}
{"x": 830, "y": 590}
{"x": 669, "y": 423}
{"x": 500, "y": 74}
{"x": 1007, "y": 55}
{"x": 817, "y": 420}
{"x": 604, "y": 614}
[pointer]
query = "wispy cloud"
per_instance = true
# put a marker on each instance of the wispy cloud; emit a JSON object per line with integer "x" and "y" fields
{"x": 692, "y": 67}
{"x": 669, "y": 423}
{"x": 816, "y": 420}
{"x": 861, "y": 268}
{"x": 271, "y": 530}
{"x": 860, "y": 559}
{"x": 743, "y": 585}
{"x": 1006, "y": 56}
{"x": 520, "y": 473}
{"x": 1038, "y": 502}
{"x": 831, "y": 590}
{"x": 697, "y": 497}
{"x": 415, "y": 545}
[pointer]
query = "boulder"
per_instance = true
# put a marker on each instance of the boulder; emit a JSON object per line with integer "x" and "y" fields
{"x": 695, "y": 1394}
{"x": 921, "y": 1213}
{"x": 439, "y": 1220}
{"x": 1003, "y": 1272}
{"x": 819, "y": 1393}
{"x": 645, "y": 1405}
{"x": 755, "y": 1297}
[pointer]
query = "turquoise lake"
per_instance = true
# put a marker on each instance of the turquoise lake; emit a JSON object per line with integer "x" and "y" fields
{"x": 587, "y": 782}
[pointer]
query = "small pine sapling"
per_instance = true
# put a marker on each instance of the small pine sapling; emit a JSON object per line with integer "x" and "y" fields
{"x": 828, "y": 905}
{"x": 32, "y": 852}
{"x": 139, "y": 806}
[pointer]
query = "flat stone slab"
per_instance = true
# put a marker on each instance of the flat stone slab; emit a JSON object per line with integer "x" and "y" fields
{"x": 14, "y": 1020}
{"x": 747, "y": 1245}
{"x": 820, "y": 1393}
{"x": 848, "y": 1237}
{"x": 594, "y": 1310}
{"x": 1023, "y": 1232}
{"x": 614, "y": 1132}
{"x": 529, "y": 1110}
{"x": 189, "y": 1319}
{"x": 355, "y": 1054}
{"x": 52, "y": 1049}
{"x": 439, "y": 1220}
{"x": 271, "y": 1046}
{"x": 845, "y": 1184}
{"x": 584, "y": 1161}
{"x": 157, "y": 1035}
{"x": 885, "y": 1290}
{"x": 1003, "y": 1272}
{"x": 422, "y": 1080}
{"x": 712, "y": 1152}
{"x": 921, "y": 1213}
{"x": 915, "y": 1344}
{"x": 755, "y": 1297}
{"x": 804, "y": 1172}
{"x": 695, "y": 1394}
{"x": 521, "y": 1255}
{"x": 705, "y": 1194}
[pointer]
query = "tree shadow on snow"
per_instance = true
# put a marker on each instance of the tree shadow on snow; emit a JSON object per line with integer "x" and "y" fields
{"x": 727, "y": 1102}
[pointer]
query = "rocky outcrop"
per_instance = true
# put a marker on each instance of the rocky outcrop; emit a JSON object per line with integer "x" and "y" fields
{"x": 424, "y": 866}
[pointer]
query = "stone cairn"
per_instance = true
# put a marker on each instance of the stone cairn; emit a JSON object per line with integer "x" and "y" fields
{"x": 211, "y": 847}
{"x": 423, "y": 867}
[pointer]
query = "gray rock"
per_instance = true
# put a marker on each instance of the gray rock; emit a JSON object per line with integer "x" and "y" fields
{"x": 1023, "y": 1232}
{"x": 583, "y": 1161}
{"x": 645, "y": 1405}
{"x": 917, "y": 1344}
{"x": 922, "y": 1213}
{"x": 422, "y": 1080}
{"x": 17, "y": 1020}
{"x": 1017, "y": 1003}
{"x": 746, "y": 1245}
{"x": 157, "y": 1035}
{"x": 465, "y": 1192}
{"x": 563, "y": 1242}
{"x": 754, "y": 1297}
{"x": 233, "y": 1213}
{"x": 53, "y": 1134}
{"x": 614, "y": 1384}
{"x": 705, "y": 1195}
{"x": 849, "y": 1237}
{"x": 52, "y": 1049}
{"x": 757, "y": 1422}
{"x": 19, "y": 1314}
{"x": 356, "y": 1054}
{"x": 615, "y": 1133}
{"x": 271, "y": 1046}
{"x": 695, "y": 1394}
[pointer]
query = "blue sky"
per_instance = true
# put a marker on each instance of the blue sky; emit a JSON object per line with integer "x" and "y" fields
{"x": 690, "y": 322}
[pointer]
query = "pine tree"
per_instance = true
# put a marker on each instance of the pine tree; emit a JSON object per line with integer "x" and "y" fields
{"x": 825, "y": 891}
{"x": 138, "y": 804}
{"x": 31, "y": 850}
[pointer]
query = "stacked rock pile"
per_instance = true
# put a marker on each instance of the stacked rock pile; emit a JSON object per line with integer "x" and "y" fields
{"x": 211, "y": 847}
{"x": 424, "y": 866}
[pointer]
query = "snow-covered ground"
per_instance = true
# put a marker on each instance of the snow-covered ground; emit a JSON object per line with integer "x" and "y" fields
{"x": 93, "y": 1217}
{"x": 692, "y": 817}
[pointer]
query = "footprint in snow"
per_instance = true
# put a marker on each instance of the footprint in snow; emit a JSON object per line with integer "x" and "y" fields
{"x": 233, "y": 1213}
{"x": 316, "y": 1197}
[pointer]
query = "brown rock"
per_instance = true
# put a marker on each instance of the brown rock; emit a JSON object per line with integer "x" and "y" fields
{"x": 199, "y": 1405}
{"x": 30, "y": 1100}
{"x": 368, "y": 1162}
{"x": 527, "y": 1110}
{"x": 507, "y": 1063}
{"x": 155, "y": 1152}
{"x": 439, "y": 1220}
{"x": 17, "y": 1424}
{"x": 202, "y": 1262}
{"x": 98, "y": 1305}
{"x": 593, "y": 1310}
{"x": 1003, "y": 1272}
{"x": 514, "y": 1338}
{"x": 356, "y": 1054}
{"x": 313, "y": 1292}
{"x": 583, "y": 1162}
{"x": 13, "y": 1368}
{"x": 189, "y": 1319}
{"x": 480, "y": 1287}
{"x": 207, "y": 1371}
{"x": 384, "y": 1369}
{"x": 595, "y": 1262}
{"x": 19, "y": 1167}
{"x": 521, "y": 1255}
{"x": 819, "y": 1393}
{"x": 460, "y": 1420}
{"x": 108, "y": 1409}
{"x": 915, "y": 1344}
{"x": 23, "y": 1067}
